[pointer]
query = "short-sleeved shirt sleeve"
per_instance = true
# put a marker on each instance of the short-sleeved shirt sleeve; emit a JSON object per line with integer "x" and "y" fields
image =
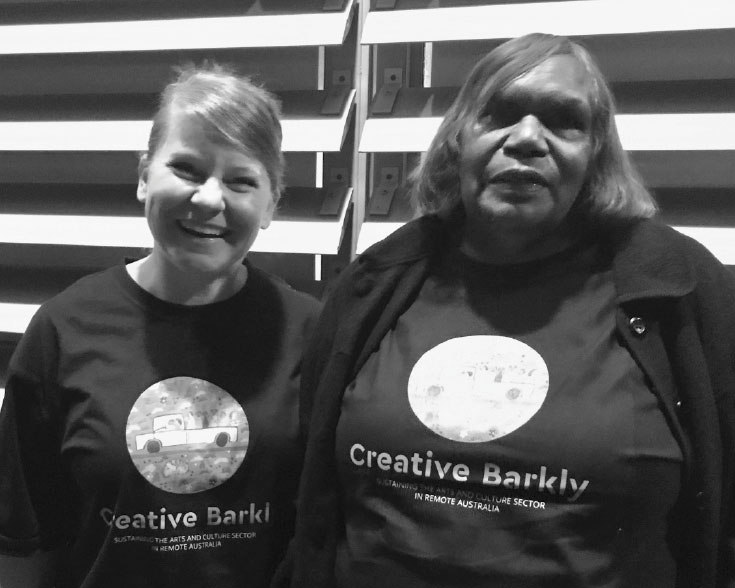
{"x": 32, "y": 485}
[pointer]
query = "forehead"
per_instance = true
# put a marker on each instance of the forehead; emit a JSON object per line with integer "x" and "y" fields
{"x": 190, "y": 132}
{"x": 188, "y": 137}
{"x": 561, "y": 77}
{"x": 184, "y": 129}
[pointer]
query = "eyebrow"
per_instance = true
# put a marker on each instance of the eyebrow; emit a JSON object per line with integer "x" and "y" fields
{"x": 256, "y": 171}
{"x": 553, "y": 97}
{"x": 188, "y": 152}
{"x": 572, "y": 102}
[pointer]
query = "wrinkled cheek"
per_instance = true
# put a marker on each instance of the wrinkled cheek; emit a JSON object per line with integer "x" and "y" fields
{"x": 574, "y": 175}
{"x": 469, "y": 190}
{"x": 580, "y": 169}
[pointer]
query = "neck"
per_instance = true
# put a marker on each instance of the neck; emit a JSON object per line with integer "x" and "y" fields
{"x": 512, "y": 247}
{"x": 187, "y": 288}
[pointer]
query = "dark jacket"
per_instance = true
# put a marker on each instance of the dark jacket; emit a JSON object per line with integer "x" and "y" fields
{"x": 675, "y": 315}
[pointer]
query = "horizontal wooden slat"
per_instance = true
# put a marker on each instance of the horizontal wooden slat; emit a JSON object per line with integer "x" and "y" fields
{"x": 677, "y": 132}
{"x": 327, "y": 28}
{"x": 638, "y": 132}
{"x": 372, "y": 232}
{"x": 316, "y": 133}
{"x": 14, "y": 318}
{"x": 84, "y": 231}
{"x": 316, "y": 236}
{"x": 719, "y": 240}
{"x": 54, "y": 11}
{"x": 319, "y": 235}
{"x": 699, "y": 55}
{"x": 136, "y": 73}
{"x": 287, "y": 236}
{"x": 686, "y": 169}
{"x": 572, "y": 18}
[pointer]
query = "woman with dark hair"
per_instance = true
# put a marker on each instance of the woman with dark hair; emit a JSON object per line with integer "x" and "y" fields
{"x": 613, "y": 188}
{"x": 149, "y": 433}
{"x": 532, "y": 384}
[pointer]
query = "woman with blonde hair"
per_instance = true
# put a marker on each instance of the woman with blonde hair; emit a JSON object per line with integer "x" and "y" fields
{"x": 149, "y": 433}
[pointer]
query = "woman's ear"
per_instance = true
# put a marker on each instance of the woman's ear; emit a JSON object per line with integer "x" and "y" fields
{"x": 142, "y": 191}
{"x": 267, "y": 217}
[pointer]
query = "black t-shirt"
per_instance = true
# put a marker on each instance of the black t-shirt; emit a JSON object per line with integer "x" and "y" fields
{"x": 157, "y": 442}
{"x": 501, "y": 436}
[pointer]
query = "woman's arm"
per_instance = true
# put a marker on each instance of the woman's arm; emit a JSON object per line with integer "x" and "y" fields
{"x": 34, "y": 571}
{"x": 28, "y": 460}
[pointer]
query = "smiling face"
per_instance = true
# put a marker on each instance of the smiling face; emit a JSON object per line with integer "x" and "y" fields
{"x": 524, "y": 161}
{"x": 205, "y": 203}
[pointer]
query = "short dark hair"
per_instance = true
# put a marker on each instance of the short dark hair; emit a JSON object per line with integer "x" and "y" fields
{"x": 613, "y": 191}
{"x": 235, "y": 111}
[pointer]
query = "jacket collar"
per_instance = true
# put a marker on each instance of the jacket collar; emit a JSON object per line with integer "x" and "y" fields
{"x": 650, "y": 261}
{"x": 420, "y": 238}
{"x": 649, "y": 257}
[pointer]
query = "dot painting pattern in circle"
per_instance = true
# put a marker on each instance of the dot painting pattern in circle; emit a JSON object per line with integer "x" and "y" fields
{"x": 187, "y": 435}
{"x": 478, "y": 388}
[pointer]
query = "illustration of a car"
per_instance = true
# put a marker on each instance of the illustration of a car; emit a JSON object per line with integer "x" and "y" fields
{"x": 170, "y": 430}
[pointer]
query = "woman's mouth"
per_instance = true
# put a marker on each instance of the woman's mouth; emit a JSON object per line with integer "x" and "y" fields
{"x": 521, "y": 178}
{"x": 203, "y": 231}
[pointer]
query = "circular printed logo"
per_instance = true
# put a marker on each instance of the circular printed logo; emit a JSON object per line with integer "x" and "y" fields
{"x": 187, "y": 435}
{"x": 478, "y": 388}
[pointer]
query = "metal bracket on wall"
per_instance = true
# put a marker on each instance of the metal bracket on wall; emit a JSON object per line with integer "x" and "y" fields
{"x": 336, "y": 192}
{"x": 337, "y": 93}
{"x": 342, "y": 77}
{"x": 382, "y": 197}
{"x": 386, "y": 96}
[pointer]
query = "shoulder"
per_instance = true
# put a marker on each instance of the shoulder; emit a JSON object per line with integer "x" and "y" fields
{"x": 416, "y": 239}
{"x": 66, "y": 314}
{"x": 652, "y": 259}
{"x": 692, "y": 252}
{"x": 85, "y": 297}
{"x": 93, "y": 287}
{"x": 660, "y": 237}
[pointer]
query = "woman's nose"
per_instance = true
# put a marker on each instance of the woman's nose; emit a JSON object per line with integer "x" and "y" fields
{"x": 210, "y": 195}
{"x": 526, "y": 138}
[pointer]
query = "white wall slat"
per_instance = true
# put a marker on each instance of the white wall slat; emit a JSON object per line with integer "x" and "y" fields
{"x": 14, "y": 318}
{"x": 638, "y": 132}
{"x": 283, "y": 236}
{"x": 299, "y": 134}
{"x": 570, "y": 18}
{"x": 327, "y": 28}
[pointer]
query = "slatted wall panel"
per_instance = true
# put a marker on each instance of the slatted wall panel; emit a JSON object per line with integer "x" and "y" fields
{"x": 79, "y": 81}
{"x": 364, "y": 85}
{"x": 670, "y": 64}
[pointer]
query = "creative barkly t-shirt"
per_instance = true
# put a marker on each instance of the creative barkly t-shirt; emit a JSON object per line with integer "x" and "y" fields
{"x": 158, "y": 442}
{"x": 502, "y": 436}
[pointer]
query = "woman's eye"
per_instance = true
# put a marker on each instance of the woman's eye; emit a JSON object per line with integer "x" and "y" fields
{"x": 185, "y": 170}
{"x": 565, "y": 120}
{"x": 561, "y": 122}
{"x": 242, "y": 184}
{"x": 508, "y": 114}
{"x": 500, "y": 114}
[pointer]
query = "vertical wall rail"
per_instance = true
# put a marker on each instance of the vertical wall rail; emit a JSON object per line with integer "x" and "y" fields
{"x": 363, "y": 95}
